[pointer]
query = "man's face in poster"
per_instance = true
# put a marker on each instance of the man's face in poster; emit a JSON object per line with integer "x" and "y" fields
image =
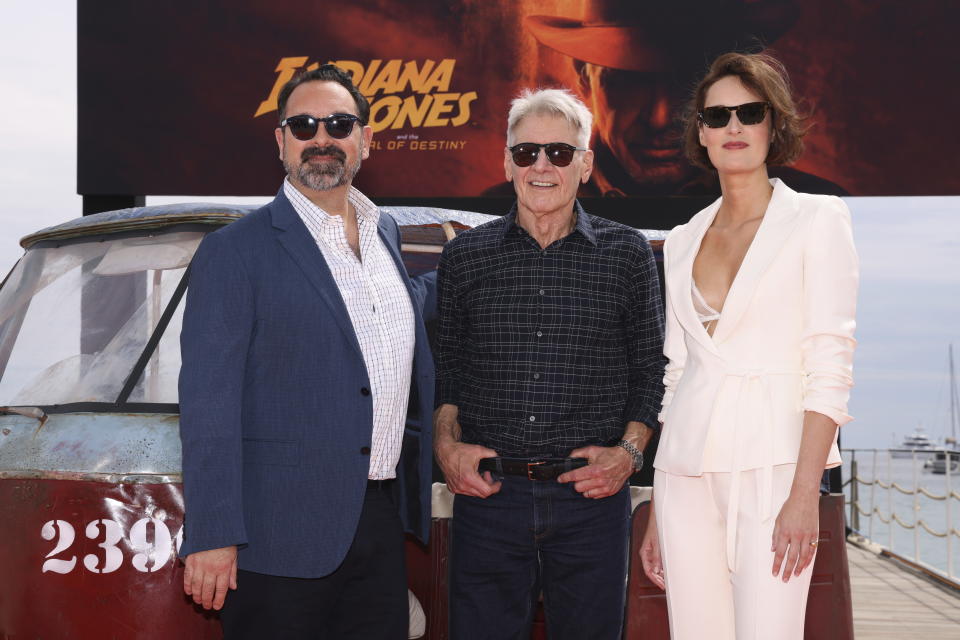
{"x": 636, "y": 118}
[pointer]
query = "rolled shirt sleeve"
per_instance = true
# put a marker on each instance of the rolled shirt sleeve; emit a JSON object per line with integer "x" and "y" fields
{"x": 830, "y": 281}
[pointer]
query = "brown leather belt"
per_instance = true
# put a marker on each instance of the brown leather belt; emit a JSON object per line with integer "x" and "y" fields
{"x": 531, "y": 468}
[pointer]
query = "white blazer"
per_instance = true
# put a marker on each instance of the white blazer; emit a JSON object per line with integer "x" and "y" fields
{"x": 783, "y": 343}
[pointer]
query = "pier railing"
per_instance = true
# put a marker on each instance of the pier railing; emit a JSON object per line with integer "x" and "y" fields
{"x": 871, "y": 497}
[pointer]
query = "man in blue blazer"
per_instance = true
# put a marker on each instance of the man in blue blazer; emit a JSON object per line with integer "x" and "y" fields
{"x": 304, "y": 350}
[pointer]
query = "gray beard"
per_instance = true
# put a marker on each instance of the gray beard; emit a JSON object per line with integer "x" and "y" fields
{"x": 323, "y": 176}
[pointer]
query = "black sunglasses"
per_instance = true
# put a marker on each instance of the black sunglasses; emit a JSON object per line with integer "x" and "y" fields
{"x": 559, "y": 153}
{"x": 304, "y": 127}
{"x": 747, "y": 113}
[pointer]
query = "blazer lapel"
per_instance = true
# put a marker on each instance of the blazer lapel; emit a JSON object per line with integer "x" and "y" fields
{"x": 778, "y": 223}
{"x": 680, "y": 275}
{"x": 293, "y": 235}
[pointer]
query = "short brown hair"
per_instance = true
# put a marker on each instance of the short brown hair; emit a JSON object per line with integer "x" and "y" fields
{"x": 767, "y": 77}
{"x": 325, "y": 73}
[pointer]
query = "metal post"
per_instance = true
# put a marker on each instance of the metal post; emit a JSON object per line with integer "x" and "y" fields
{"x": 854, "y": 495}
{"x": 153, "y": 373}
{"x": 949, "y": 520}
{"x": 873, "y": 489}
{"x": 890, "y": 499}
{"x": 916, "y": 509}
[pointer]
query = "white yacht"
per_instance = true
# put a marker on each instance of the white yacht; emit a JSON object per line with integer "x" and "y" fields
{"x": 916, "y": 443}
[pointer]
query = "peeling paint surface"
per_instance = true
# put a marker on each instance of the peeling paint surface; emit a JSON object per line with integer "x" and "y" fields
{"x": 100, "y": 444}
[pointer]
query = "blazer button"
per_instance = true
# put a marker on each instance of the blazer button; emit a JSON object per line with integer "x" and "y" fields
{"x": 365, "y": 450}
{"x": 364, "y": 391}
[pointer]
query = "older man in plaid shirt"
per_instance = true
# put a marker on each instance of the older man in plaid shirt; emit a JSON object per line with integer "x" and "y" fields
{"x": 549, "y": 382}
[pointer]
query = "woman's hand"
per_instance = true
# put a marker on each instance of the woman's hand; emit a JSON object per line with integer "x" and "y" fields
{"x": 650, "y": 551}
{"x": 795, "y": 534}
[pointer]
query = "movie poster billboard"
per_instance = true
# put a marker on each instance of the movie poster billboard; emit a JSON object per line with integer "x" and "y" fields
{"x": 180, "y": 97}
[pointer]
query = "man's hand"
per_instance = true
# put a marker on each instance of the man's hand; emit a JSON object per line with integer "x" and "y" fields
{"x": 208, "y": 574}
{"x": 606, "y": 471}
{"x": 459, "y": 464}
{"x": 608, "y": 468}
{"x": 459, "y": 461}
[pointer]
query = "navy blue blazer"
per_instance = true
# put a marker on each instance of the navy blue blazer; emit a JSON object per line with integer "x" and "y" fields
{"x": 275, "y": 409}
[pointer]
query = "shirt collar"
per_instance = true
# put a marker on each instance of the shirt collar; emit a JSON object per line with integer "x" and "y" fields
{"x": 364, "y": 207}
{"x": 584, "y": 225}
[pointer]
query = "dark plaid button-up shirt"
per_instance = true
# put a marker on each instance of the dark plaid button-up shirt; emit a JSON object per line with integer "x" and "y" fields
{"x": 546, "y": 350}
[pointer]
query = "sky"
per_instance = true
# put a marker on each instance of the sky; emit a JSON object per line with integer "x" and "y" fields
{"x": 909, "y": 301}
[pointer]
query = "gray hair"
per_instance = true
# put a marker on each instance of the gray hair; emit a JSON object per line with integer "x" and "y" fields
{"x": 551, "y": 102}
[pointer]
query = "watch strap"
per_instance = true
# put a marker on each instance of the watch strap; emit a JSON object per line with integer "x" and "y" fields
{"x": 635, "y": 453}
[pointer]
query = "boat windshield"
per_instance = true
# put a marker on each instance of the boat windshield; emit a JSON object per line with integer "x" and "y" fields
{"x": 76, "y": 317}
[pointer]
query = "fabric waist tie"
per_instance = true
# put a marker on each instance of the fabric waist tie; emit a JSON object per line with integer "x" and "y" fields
{"x": 766, "y": 480}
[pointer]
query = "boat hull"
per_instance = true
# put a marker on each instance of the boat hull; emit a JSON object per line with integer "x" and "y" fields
{"x": 920, "y": 454}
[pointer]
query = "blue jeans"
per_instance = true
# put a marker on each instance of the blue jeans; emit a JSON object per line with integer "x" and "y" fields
{"x": 533, "y": 536}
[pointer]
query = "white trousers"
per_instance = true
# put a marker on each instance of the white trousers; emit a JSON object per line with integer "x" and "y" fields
{"x": 705, "y": 598}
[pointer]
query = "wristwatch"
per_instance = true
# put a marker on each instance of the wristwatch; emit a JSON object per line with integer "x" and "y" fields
{"x": 635, "y": 453}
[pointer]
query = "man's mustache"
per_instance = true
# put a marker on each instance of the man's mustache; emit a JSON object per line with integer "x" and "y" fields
{"x": 329, "y": 150}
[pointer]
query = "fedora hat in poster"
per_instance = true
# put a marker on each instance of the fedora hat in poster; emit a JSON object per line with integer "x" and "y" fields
{"x": 662, "y": 35}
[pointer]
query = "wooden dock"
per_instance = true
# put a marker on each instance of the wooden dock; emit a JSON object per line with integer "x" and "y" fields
{"x": 891, "y": 603}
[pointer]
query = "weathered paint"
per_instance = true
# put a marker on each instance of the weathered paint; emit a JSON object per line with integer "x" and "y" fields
{"x": 102, "y": 446}
{"x": 92, "y": 587}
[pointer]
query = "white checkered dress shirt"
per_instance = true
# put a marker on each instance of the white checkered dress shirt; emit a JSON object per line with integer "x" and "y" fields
{"x": 380, "y": 311}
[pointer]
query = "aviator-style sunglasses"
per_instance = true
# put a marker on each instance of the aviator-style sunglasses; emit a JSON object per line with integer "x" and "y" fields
{"x": 747, "y": 113}
{"x": 558, "y": 153}
{"x": 304, "y": 127}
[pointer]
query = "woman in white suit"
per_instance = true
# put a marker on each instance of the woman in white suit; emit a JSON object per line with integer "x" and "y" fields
{"x": 761, "y": 295}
